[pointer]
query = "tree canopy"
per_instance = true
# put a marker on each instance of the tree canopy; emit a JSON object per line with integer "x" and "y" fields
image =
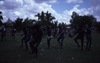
{"x": 81, "y": 21}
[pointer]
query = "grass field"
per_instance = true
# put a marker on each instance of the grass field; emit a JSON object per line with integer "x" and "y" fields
{"x": 11, "y": 52}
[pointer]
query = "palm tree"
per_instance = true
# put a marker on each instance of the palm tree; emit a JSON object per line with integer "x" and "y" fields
{"x": 45, "y": 18}
{"x": 38, "y": 15}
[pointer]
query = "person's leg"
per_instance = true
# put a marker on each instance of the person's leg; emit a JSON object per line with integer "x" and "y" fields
{"x": 48, "y": 42}
{"x": 58, "y": 39}
{"x": 2, "y": 36}
{"x": 82, "y": 40}
{"x": 90, "y": 40}
{"x": 32, "y": 47}
{"x": 36, "y": 46}
{"x": 62, "y": 39}
{"x": 26, "y": 44}
{"x": 87, "y": 44}
{"x": 77, "y": 42}
{"x": 22, "y": 41}
{"x": 14, "y": 35}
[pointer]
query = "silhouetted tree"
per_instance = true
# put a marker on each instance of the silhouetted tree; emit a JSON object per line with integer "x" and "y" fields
{"x": 49, "y": 18}
{"x": 45, "y": 18}
{"x": 18, "y": 23}
{"x": 97, "y": 25}
{"x": 28, "y": 22}
{"x": 1, "y": 18}
{"x": 75, "y": 20}
{"x": 81, "y": 21}
{"x": 89, "y": 20}
{"x": 9, "y": 23}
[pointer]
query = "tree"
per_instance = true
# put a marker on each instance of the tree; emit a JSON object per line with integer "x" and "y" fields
{"x": 1, "y": 18}
{"x": 28, "y": 22}
{"x": 9, "y": 22}
{"x": 81, "y": 21}
{"x": 75, "y": 21}
{"x": 18, "y": 23}
{"x": 49, "y": 18}
{"x": 38, "y": 15}
{"x": 89, "y": 20}
{"x": 45, "y": 18}
{"x": 97, "y": 25}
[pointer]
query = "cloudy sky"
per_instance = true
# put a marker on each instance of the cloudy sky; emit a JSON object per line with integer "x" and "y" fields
{"x": 61, "y": 9}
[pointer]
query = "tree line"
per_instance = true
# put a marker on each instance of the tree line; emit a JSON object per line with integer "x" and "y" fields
{"x": 46, "y": 18}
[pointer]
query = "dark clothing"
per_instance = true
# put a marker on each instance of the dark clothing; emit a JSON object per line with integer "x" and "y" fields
{"x": 36, "y": 39}
{"x": 80, "y": 33}
{"x": 60, "y": 37}
{"x": 3, "y": 33}
{"x": 89, "y": 38}
{"x": 49, "y": 32}
{"x": 37, "y": 34}
{"x": 80, "y": 36}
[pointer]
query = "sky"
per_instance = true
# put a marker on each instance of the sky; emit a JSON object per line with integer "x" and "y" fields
{"x": 61, "y": 9}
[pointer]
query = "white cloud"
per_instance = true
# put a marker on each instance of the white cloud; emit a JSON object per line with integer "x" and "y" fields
{"x": 74, "y": 1}
{"x": 95, "y": 5}
{"x": 23, "y": 9}
{"x": 26, "y": 8}
{"x": 98, "y": 18}
{"x": 45, "y": 1}
{"x": 81, "y": 11}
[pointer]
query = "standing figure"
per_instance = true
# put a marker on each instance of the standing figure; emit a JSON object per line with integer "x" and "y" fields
{"x": 55, "y": 32}
{"x": 61, "y": 37}
{"x": 88, "y": 37}
{"x": 3, "y": 33}
{"x": 13, "y": 31}
{"x": 26, "y": 37}
{"x": 49, "y": 35}
{"x": 36, "y": 39}
{"x": 80, "y": 35}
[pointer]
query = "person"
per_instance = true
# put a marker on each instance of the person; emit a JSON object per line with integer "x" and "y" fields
{"x": 61, "y": 37}
{"x": 3, "y": 33}
{"x": 80, "y": 36}
{"x": 88, "y": 37}
{"x": 49, "y": 35}
{"x": 36, "y": 39}
{"x": 26, "y": 37}
{"x": 79, "y": 32}
{"x": 23, "y": 34}
{"x": 55, "y": 32}
{"x": 13, "y": 31}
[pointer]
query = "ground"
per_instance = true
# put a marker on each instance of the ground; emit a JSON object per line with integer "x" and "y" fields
{"x": 11, "y": 52}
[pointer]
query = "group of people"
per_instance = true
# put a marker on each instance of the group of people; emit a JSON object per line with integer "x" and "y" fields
{"x": 35, "y": 34}
{"x": 3, "y": 32}
{"x": 82, "y": 33}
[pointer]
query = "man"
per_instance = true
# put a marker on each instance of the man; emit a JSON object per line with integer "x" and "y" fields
{"x": 3, "y": 33}
{"x": 88, "y": 37}
{"x": 80, "y": 35}
{"x": 49, "y": 35}
{"x": 61, "y": 36}
{"x": 36, "y": 39}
